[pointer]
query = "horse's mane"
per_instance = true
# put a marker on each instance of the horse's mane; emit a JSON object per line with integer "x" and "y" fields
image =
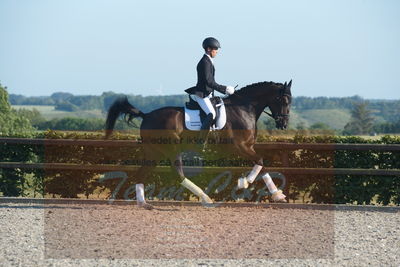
{"x": 244, "y": 89}
{"x": 243, "y": 92}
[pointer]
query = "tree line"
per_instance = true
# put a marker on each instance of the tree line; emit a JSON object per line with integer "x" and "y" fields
{"x": 70, "y": 102}
{"x": 387, "y": 109}
{"x": 362, "y": 111}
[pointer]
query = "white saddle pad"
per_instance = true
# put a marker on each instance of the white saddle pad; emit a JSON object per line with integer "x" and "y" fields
{"x": 193, "y": 122}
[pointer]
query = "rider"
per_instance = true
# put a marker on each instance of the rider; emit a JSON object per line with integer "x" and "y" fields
{"x": 206, "y": 84}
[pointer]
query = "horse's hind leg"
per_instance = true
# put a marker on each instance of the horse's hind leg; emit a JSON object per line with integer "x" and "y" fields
{"x": 189, "y": 184}
{"x": 173, "y": 152}
{"x": 150, "y": 162}
{"x": 141, "y": 176}
{"x": 249, "y": 152}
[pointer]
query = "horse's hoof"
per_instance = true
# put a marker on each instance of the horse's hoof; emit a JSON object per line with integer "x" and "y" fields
{"x": 242, "y": 183}
{"x": 206, "y": 199}
{"x": 145, "y": 205}
{"x": 278, "y": 196}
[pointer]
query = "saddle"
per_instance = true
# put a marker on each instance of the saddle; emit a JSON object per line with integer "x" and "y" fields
{"x": 194, "y": 114}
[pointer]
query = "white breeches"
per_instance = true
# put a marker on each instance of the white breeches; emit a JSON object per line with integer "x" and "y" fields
{"x": 205, "y": 104}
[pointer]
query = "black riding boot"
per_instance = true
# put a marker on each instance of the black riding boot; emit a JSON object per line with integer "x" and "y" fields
{"x": 204, "y": 130}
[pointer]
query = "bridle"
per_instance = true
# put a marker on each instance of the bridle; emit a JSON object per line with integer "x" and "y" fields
{"x": 280, "y": 115}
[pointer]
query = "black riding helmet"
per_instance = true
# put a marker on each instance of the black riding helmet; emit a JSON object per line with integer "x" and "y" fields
{"x": 211, "y": 42}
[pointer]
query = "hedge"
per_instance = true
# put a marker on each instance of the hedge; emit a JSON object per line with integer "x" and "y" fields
{"x": 221, "y": 186}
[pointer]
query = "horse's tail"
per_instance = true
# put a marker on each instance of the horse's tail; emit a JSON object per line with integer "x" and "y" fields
{"x": 121, "y": 106}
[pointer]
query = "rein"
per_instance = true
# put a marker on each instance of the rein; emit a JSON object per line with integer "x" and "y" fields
{"x": 269, "y": 114}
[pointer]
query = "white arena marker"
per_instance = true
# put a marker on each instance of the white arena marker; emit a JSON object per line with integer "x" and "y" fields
{"x": 140, "y": 192}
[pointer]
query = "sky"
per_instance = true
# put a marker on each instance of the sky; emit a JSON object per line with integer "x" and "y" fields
{"x": 331, "y": 48}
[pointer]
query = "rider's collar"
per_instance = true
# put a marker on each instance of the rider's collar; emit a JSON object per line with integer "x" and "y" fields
{"x": 212, "y": 61}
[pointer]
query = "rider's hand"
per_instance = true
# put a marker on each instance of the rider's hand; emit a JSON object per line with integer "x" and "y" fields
{"x": 230, "y": 90}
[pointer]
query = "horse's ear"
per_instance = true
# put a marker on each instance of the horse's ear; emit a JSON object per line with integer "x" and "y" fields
{"x": 284, "y": 85}
{"x": 287, "y": 89}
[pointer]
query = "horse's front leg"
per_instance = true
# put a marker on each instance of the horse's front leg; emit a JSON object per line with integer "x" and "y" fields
{"x": 243, "y": 182}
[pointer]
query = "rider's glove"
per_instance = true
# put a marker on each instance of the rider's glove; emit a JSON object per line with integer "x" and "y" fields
{"x": 230, "y": 90}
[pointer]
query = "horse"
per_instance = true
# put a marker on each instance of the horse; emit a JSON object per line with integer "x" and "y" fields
{"x": 243, "y": 109}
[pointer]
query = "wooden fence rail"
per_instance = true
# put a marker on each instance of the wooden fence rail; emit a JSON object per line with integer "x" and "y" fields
{"x": 283, "y": 147}
{"x": 262, "y": 146}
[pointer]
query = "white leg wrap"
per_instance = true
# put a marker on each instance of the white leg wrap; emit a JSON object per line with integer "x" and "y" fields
{"x": 196, "y": 190}
{"x": 270, "y": 184}
{"x": 253, "y": 174}
{"x": 140, "y": 193}
{"x": 242, "y": 183}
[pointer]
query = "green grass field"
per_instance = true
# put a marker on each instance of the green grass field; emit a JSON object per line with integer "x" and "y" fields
{"x": 335, "y": 118}
{"x": 48, "y": 112}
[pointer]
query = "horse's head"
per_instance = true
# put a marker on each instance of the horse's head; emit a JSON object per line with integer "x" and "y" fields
{"x": 279, "y": 105}
{"x": 276, "y": 96}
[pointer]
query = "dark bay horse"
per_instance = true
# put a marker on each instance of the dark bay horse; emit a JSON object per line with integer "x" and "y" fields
{"x": 243, "y": 109}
